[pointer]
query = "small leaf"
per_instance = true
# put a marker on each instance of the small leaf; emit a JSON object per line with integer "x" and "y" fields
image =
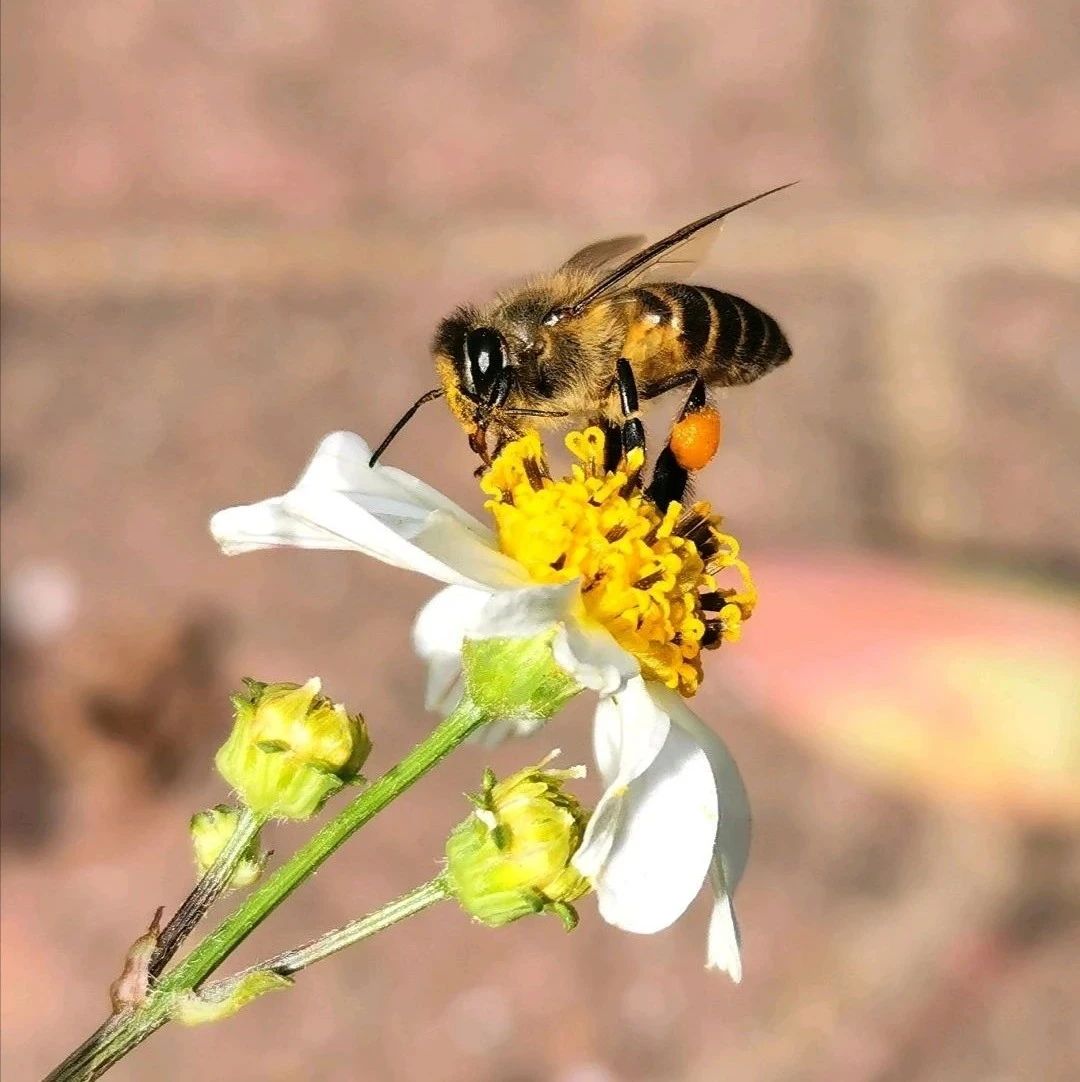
{"x": 566, "y": 913}
{"x": 194, "y": 1008}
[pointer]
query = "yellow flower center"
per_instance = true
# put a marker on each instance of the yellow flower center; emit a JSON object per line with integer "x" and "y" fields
{"x": 649, "y": 576}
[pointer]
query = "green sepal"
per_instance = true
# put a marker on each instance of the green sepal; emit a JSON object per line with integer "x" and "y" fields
{"x": 566, "y": 913}
{"x": 516, "y": 680}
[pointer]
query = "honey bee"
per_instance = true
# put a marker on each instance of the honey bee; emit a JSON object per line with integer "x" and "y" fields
{"x": 585, "y": 344}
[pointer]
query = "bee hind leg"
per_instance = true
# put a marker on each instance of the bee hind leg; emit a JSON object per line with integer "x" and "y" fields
{"x": 669, "y": 479}
{"x": 694, "y": 438}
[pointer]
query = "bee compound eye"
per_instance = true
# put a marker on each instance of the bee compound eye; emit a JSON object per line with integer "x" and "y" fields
{"x": 485, "y": 356}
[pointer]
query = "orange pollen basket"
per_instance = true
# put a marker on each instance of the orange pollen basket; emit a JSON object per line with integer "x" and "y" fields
{"x": 696, "y": 438}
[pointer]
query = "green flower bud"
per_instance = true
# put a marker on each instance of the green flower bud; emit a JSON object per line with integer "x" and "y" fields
{"x": 516, "y": 679}
{"x": 210, "y": 833}
{"x": 291, "y": 748}
{"x": 511, "y": 857}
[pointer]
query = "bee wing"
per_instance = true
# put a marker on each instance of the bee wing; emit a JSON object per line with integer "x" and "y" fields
{"x": 680, "y": 261}
{"x": 682, "y": 249}
{"x": 594, "y": 257}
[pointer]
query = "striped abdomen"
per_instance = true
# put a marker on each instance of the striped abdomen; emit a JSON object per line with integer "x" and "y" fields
{"x": 726, "y": 339}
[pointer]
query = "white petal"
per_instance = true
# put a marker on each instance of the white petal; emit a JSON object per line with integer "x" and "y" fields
{"x": 341, "y": 463}
{"x": 438, "y": 635}
{"x": 629, "y": 729}
{"x": 390, "y": 532}
{"x": 628, "y": 733}
{"x": 732, "y": 847}
{"x": 733, "y": 835}
{"x": 266, "y": 525}
{"x": 523, "y": 613}
{"x": 724, "y": 940}
{"x": 664, "y": 840}
{"x": 591, "y": 655}
{"x": 341, "y": 502}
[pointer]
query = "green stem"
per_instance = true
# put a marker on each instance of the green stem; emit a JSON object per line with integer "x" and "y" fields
{"x": 221, "y": 943}
{"x": 120, "y": 1035}
{"x": 207, "y": 891}
{"x": 292, "y": 961}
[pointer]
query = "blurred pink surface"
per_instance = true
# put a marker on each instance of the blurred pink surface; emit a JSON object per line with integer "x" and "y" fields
{"x": 229, "y": 229}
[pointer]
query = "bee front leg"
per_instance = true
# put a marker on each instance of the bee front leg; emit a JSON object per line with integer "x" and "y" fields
{"x": 503, "y": 436}
{"x": 478, "y": 444}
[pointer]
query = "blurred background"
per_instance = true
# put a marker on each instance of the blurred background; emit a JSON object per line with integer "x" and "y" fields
{"x": 230, "y": 228}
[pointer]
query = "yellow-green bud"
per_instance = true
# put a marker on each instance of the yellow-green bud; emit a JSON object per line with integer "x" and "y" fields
{"x": 211, "y": 831}
{"x": 511, "y": 857}
{"x": 291, "y": 748}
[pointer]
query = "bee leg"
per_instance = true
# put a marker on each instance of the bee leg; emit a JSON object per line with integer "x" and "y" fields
{"x": 669, "y": 383}
{"x": 669, "y": 480}
{"x": 478, "y": 444}
{"x": 694, "y": 438}
{"x": 613, "y": 444}
{"x": 632, "y": 430}
{"x": 503, "y": 436}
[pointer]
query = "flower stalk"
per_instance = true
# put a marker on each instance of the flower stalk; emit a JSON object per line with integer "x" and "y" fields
{"x": 122, "y": 1033}
{"x": 292, "y": 961}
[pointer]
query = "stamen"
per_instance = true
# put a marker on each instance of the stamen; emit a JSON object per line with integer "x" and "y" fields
{"x": 649, "y": 580}
{"x": 647, "y": 576}
{"x": 534, "y": 472}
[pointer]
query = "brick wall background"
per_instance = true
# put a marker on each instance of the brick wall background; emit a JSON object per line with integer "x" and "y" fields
{"x": 229, "y": 228}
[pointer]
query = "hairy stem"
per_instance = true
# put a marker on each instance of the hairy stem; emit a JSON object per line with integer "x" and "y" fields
{"x": 292, "y": 961}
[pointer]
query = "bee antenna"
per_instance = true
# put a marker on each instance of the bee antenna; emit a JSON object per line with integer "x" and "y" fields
{"x": 423, "y": 400}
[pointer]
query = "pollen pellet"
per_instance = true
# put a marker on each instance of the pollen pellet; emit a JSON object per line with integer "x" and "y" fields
{"x": 696, "y": 438}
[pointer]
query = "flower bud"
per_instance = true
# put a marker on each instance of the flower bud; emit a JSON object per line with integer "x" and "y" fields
{"x": 291, "y": 748}
{"x": 210, "y": 833}
{"x": 511, "y": 857}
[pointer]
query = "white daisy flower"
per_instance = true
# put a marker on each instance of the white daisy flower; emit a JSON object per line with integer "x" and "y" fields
{"x": 631, "y": 596}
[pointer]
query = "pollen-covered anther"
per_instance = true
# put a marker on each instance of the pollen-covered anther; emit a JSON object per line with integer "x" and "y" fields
{"x": 645, "y": 573}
